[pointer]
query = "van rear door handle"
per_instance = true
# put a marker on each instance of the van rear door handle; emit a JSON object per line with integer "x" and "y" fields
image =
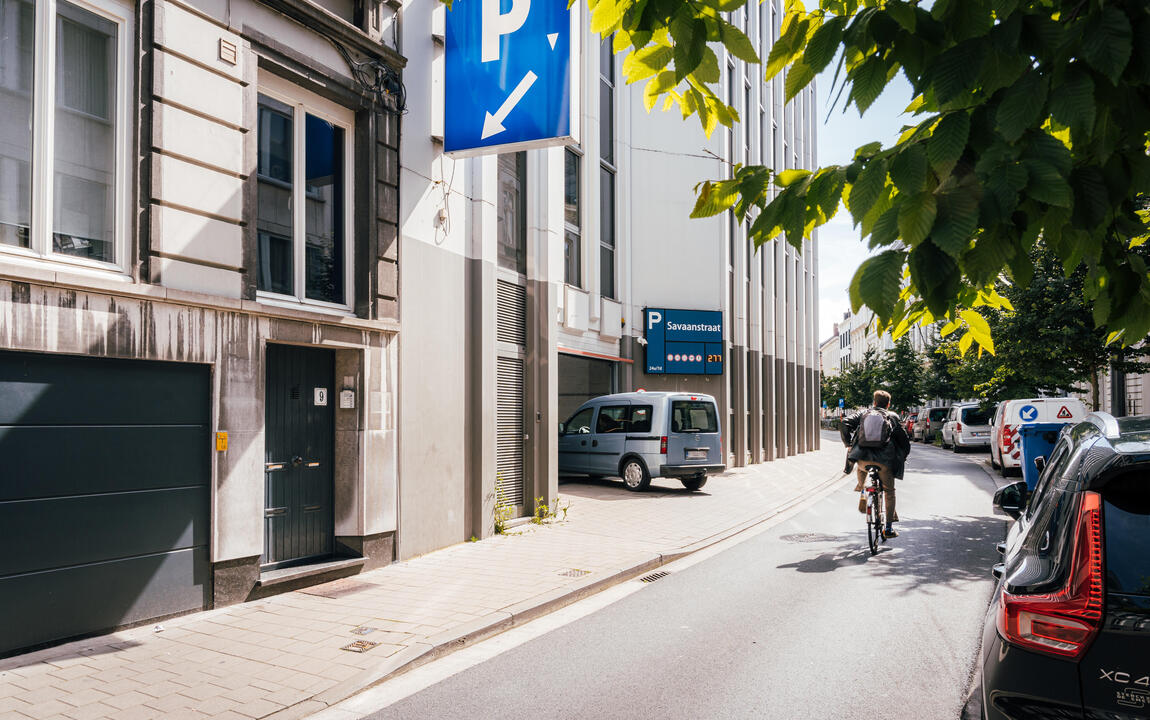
{"x": 583, "y": 443}
{"x": 594, "y": 443}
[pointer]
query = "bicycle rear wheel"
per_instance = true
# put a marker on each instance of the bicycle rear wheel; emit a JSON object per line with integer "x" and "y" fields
{"x": 873, "y": 529}
{"x": 879, "y": 516}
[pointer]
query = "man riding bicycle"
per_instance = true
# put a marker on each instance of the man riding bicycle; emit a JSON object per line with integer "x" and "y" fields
{"x": 876, "y": 437}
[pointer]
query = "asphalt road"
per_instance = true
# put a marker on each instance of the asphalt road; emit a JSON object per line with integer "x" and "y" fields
{"x": 799, "y": 621}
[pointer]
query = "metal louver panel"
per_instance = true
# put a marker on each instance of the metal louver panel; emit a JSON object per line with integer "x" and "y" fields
{"x": 509, "y": 431}
{"x": 511, "y": 313}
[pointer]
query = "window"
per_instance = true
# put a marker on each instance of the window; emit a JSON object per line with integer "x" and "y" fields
{"x": 572, "y": 241}
{"x": 512, "y": 212}
{"x": 579, "y": 423}
{"x": 612, "y": 419}
{"x": 693, "y": 417}
{"x": 1127, "y": 521}
{"x": 606, "y": 170}
{"x": 64, "y": 134}
{"x": 303, "y": 213}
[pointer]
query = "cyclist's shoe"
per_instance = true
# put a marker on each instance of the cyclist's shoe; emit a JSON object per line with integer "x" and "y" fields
{"x": 862, "y": 504}
{"x": 890, "y": 532}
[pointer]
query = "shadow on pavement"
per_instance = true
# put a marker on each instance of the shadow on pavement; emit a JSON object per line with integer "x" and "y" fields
{"x": 934, "y": 551}
{"x": 613, "y": 489}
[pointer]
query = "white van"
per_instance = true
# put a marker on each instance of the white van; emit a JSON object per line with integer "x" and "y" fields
{"x": 1005, "y": 445}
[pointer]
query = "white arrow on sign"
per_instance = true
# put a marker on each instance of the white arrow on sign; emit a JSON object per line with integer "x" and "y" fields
{"x": 493, "y": 124}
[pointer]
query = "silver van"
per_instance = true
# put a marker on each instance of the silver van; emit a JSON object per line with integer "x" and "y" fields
{"x": 640, "y": 435}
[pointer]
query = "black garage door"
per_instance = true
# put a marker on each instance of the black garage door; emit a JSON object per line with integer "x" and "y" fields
{"x": 103, "y": 494}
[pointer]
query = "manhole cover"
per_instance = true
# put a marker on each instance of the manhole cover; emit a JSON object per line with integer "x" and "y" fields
{"x": 363, "y": 630}
{"x": 808, "y": 538}
{"x": 359, "y": 646}
{"x": 653, "y": 577}
{"x": 575, "y": 572}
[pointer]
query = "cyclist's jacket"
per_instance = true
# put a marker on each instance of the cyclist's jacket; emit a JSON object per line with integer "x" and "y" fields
{"x": 893, "y": 454}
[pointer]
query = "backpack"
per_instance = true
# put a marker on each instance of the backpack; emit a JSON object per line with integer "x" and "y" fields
{"x": 874, "y": 430}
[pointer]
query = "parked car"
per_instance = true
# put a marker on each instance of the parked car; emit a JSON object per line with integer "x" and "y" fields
{"x": 908, "y": 423}
{"x": 1068, "y": 630}
{"x": 1005, "y": 445}
{"x": 929, "y": 423}
{"x": 967, "y": 425}
{"x": 640, "y": 435}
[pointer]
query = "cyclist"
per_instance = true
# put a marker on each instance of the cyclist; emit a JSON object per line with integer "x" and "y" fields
{"x": 882, "y": 442}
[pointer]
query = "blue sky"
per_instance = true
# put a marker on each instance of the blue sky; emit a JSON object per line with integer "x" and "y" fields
{"x": 840, "y": 249}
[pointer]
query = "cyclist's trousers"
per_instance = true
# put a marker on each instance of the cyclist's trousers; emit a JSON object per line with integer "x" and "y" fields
{"x": 887, "y": 484}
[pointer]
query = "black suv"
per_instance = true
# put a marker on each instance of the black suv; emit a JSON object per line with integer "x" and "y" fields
{"x": 1068, "y": 631}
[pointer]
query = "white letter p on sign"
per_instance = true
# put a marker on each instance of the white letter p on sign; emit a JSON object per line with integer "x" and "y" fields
{"x": 495, "y": 25}
{"x": 653, "y": 319}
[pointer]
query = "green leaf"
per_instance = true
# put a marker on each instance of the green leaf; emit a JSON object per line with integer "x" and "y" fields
{"x": 688, "y": 55}
{"x": 908, "y": 170}
{"x": 979, "y": 328}
{"x": 865, "y": 190}
{"x": 737, "y": 43}
{"x": 878, "y": 282}
{"x": 824, "y": 43}
{"x": 1107, "y": 43}
{"x": 885, "y": 230}
{"x": 798, "y": 77}
{"x": 708, "y": 70}
{"x": 868, "y": 81}
{"x": 787, "y": 46}
{"x": 646, "y": 62}
{"x": 1073, "y": 105}
{"x": 965, "y": 342}
{"x": 956, "y": 70}
{"x": 1047, "y": 184}
{"x": 789, "y": 177}
{"x": 948, "y": 141}
{"x": 903, "y": 14}
{"x": 715, "y": 197}
{"x": 949, "y": 328}
{"x": 935, "y": 274}
{"x": 957, "y": 220}
{"x": 916, "y": 217}
{"x": 656, "y": 86}
{"x": 607, "y": 15}
{"x": 1021, "y": 106}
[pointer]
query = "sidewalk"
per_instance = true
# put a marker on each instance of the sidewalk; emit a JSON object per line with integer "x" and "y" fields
{"x": 284, "y": 657}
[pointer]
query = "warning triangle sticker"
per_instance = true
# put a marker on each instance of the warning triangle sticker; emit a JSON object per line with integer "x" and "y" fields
{"x": 1065, "y": 413}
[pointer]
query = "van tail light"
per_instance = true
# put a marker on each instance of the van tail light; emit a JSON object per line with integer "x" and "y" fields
{"x": 958, "y": 427}
{"x": 663, "y": 445}
{"x": 1065, "y": 622}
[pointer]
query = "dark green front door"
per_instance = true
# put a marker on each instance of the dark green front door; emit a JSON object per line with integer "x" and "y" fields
{"x": 299, "y": 412}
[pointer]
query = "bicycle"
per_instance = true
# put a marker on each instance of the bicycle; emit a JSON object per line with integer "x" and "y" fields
{"x": 875, "y": 509}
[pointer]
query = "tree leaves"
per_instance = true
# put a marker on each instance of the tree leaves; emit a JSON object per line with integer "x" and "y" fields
{"x": 1107, "y": 43}
{"x": 908, "y": 170}
{"x": 916, "y": 217}
{"x": 876, "y": 283}
{"x": 947, "y": 142}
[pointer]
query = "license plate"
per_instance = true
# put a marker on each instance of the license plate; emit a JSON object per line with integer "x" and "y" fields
{"x": 981, "y": 434}
{"x": 696, "y": 454}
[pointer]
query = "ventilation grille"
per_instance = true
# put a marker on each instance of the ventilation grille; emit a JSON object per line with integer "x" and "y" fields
{"x": 511, "y": 313}
{"x": 509, "y": 431}
{"x": 653, "y": 577}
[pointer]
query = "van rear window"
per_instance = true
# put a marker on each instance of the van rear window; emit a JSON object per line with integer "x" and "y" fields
{"x": 693, "y": 416}
{"x": 974, "y": 416}
{"x": 939, "y": 414}
{"x": 1126, "y": 528}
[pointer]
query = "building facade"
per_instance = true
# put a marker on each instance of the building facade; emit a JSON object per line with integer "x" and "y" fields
{"x": 198, "y": 304}
{"x": 525, "y": 276}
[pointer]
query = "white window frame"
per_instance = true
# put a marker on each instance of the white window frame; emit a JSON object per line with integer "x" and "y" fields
{"x": 43, "y": 181}
{"x": 304, "y": 102}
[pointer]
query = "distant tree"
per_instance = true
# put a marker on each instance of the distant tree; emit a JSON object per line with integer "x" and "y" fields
{"x": 902, "y": 371}
{"x": 938, "y": 379}
{"x": 1048, "y": 344}
{"x": 829, "y": 390}
{"x": 859, "y": 380}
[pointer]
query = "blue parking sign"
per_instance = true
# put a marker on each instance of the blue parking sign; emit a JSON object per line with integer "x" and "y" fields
{"x": 508, "y": 76}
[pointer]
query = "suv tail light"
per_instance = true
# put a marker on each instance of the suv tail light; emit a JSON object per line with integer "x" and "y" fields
{"x": 663, "y": 445}
{"x": 958, "y": 427}
{"x": 1065, "y": 622}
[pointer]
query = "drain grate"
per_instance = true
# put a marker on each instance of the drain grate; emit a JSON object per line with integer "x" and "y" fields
{"x": 808, "y": 537}
{"x": 363, "y": 630}
{"x": 359, "y": 646}
{"x": 575, "y": 572}
{"x": 653, "y": 577}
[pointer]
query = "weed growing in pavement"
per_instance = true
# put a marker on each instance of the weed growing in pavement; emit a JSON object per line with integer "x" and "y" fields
{"x": 545, "y": 513}
{"x": 502, "y": 509}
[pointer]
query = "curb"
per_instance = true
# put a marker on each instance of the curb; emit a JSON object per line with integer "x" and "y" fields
{"x": 449, "y": 641}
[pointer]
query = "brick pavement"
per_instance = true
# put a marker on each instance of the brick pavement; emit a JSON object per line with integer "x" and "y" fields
{"x": 281, "y": 657}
